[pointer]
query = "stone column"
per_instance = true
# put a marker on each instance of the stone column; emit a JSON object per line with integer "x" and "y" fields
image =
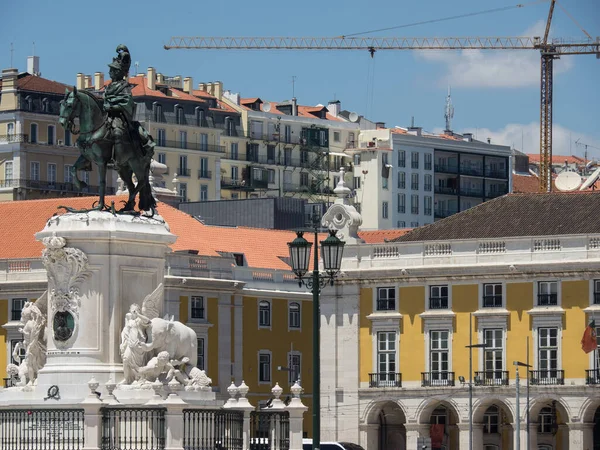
{"x": 533, "y": 434}
{"x": 412, "y": 435}
{"x": 371, "y": 440}
{"x": 564, "y": 437}
{"x": 477, "y": 436}
{"x": 92, "y": 431}
{"x": 224, "y": 344}
{"x": 463, "y": 436}
{"x": 296, "y": 409}
{"x": 174, "y": 422}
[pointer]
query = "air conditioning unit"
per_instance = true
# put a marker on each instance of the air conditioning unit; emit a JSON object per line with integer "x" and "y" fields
{"x": 371, "y": 144}
{"x": 60, "y": 143}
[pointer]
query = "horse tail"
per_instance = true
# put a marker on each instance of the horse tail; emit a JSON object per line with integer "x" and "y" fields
{"x": 146, "y": 199}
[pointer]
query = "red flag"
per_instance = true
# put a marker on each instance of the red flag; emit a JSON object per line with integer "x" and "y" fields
{"x": 588, "y": 341}
{"x": 437, "y": 435}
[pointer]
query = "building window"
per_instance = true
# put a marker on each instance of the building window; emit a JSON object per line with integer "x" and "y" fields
{"x": 264, "y": 367}
{"x": 33, "y": 133}
{"x": 203, "y": 142}
{"x": 51, "y": 173}
{"x": 547, "y": 293}
{"x": 357, "y": 159}
{"x": 386, "y": 356}
{"x": 197, "y": 307}
{"x": 596, "y": 291}
{"x": 204, "y": 168}
{"x": 491, "y": 420}
{"x": 427, "y": 161}
{"x": 414, "y": 181}
{"x": 414, "y": 204}
{"x": 34, "y": 171}
{"x": 271, "y": 176}
{"x": 239, "y": 259}
{"x": 384, "y": 183}
{"x": 438, "y": 297}
{"x": 414, "y": 224}
{"x": 427, "y": 205}
{"x": 414, "y": 160}
{"x": 439, "y": 354}
{"x": 401, "y": 203}
{"x": 183, "y": 192}
{"x": 287, "y": 134}
{"x": 20, "y": 353}
{"x": 183, "y": 139}
{"x": 270, "y": 154}
{"x": 386, "y": 299}
{"x": 356, "y": 182}
{"x": 16, "y": 308}
{"x": 294, "y": 315}
{"x": 492, "y": 356}
{"x": 68, "y": 138}
{"x": 546, "y": 422}
{"x": 199, "y": 117}
{"x": 68, "y": 173}
{"x": 401, "y": 180}
{"x": 234, "y": 173}
{"x": 336, "y": 136}
{"x": 294, "y": 367}
{"x": 427, "y": 181}
{"x": 162, "y": 158}
{"x": 180, "y": 117}
{"x": 401, "y": 158}
{"x": 384, "y": 210}
{"x": 401, "y": 224}
{"x": 161, "y": 137}
{"x": 10, "y": 130}
{"x": 492, "y": 296}
{"x": 547, "y": 352}
{"x": 204, "y": 192}
{"x": 264, "y": 313}
{"x": 157, "y": 112}
{"x": 8, "y": 171}
{"x": 234, "y": 150}
{"x": 50, "y": 134}
{"x": 183, "y": 164}
{"x": 303, "y": 179}
{"x": 200, "y": 353}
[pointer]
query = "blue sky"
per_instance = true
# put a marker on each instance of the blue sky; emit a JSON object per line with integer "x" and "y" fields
{"x": 495, "y": 94}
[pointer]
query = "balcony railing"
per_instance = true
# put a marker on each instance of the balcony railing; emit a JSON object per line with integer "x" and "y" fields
{"x": 496, "y": 193}
{"x": 446, "y": 168}
{"x": 592, "y": 377}
{"x": 550, "y": 377}
{"x": 492, "y": 301}
{"x": 491, "y": 378}
{"x": 197, "y": 313}
{"x": 495, "y": 173}
{"x": 471, "y": 192}
{"x": 431, "y": 379}
{"x": 596, "y": 298}
{"x": 441, "y": 213}
{"x": 470, "y": 170}
{"x": 52, "y": 186}
{"x": 385, "y": 380}
{"x": 191, "y": 146}
{"x": 547, "y": 299}
{"x": 446, "y": 190}
{"x": 386, "y": 305}
{"x": 206, "y": 174}
{"x": 183, "y": 171}
{"x": 438, "y": 303}
{"x": 13, "y": 138}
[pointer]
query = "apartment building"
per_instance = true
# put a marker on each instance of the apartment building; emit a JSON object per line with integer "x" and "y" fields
{"x": 419, "y": 177}
{"x": 36, "y": 152}
{"x": 519, "y": 274}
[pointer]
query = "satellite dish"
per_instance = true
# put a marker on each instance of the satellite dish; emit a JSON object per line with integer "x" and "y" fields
{"x": 266, "y": 107}
{"x": 591, "y": 180}
{"x": 353, "y": 117}
{"x": 567, "y": 181}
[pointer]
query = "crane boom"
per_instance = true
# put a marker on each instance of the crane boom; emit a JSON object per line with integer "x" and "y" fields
{"x": 559, "y": 46}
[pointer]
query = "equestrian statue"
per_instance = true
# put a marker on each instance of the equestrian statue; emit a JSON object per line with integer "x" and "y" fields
{"x": 109, "y": 135}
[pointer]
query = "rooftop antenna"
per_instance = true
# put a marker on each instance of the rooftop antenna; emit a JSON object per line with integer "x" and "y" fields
{"x": 33, "y": 48}
{"x": 294, "y": 85}
{"x": 12, "y": 50}
{"x": 449, "y": 114}
{"x": 137, "y": 64}
{"x": 412, "y": 121}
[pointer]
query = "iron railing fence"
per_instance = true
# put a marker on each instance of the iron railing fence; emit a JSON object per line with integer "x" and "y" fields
{"x": 269, "y": 430}
{"x": 135, "y": 428}
{"x": 429, "y": 379}
{"x": 213, "y": 429}
{"x": 42, "y": 429}
{"x": 385, "y": 380}
{"x": 491, "y": 378}
{"x": 547, "y": 377}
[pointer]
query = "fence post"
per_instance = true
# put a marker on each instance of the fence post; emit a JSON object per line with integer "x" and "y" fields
{"x": 92, "y": 428}
{"x": 296, "y": 409}
{"x": 241, "y": 404}
{"x": 174, "y": 418}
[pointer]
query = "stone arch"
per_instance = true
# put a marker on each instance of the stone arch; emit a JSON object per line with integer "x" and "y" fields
{"x": 385, "y": 420}
{"x": 427, "y": 407}
{"x": 373, "y": 409}
{"x": 538, "y": 403}
{"x": 481, "y": 406}
{"x": 588, "y": 409}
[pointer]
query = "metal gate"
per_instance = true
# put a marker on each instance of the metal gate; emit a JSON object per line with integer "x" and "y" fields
{"x": 269, "y": 430}
{"x": 133, "y": 428}
{"x": 41, "y": 429}
{"x": 205, "y": 429}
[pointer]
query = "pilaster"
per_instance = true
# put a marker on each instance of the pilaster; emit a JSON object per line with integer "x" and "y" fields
{"x": 224, "y": 345}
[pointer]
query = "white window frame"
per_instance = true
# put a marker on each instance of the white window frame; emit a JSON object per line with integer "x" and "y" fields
{"x": 386, "y": 329}
{"x": 299, "y": 327}
{"x": 593, "y": 290}
{"x": 55, "y": 173}
{"x": 6, "y": 172}
{"x": 549, "y": 324}
{"x": 203, "y": 342}
{"x": 53, "y": 128}
{"x": 428, "y": 296}
{"x": 204, "y": 307}
{"x": 31, "y": 163}
{"x": 482, "y": 292}
{"x": 376, "y": 297}
{"x": 430, "y": 329}
{"x": 204, "y": 192}
{"x": 11, "y": 305}
{"x": 259, "y": 371}
{"x": 265, "y": 327}
{"x": 481, "y": 336}
{"x": 37, "y": 132}
{"x": 536, "y": 285}
{"x": 291, "y": 379}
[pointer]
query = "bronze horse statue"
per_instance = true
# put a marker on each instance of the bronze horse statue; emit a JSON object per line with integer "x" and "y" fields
{"x": 96, "y": 144}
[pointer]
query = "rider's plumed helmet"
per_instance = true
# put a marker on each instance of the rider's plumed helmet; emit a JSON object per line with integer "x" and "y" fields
{"x": 122, "y": 61}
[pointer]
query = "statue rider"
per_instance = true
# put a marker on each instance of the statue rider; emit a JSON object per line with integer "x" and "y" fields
{"x": 120, "y": 107}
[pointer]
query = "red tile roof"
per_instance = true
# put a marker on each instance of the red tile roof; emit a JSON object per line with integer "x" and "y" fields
{"x": 557, "y": 159}
{"x": 27, "y": 82}
{"x": 380, "y": 236}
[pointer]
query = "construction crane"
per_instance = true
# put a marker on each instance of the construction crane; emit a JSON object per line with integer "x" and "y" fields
{"x": 550, "y": 50}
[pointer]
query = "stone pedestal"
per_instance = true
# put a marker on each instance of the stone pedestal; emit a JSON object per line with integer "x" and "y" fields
{"x": 98, "y": 265}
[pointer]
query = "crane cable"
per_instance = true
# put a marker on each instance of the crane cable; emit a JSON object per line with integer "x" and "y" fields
{"x": 460, "y": 16}
{"x": 573, "y": 19}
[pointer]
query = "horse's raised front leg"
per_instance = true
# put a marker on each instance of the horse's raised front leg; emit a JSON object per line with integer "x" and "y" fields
{"x": 82, "y": 163}
{"x": 102, "y": 177}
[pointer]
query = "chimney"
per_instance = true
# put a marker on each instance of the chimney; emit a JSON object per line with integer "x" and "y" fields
{"x": 415, "y": 131}
{"x": 294, "y": 106}
{"x": 188, "y": 85}
{"x": 202, "y": 87}
{"x": 468, "y": 137}
{"x": 209, "y": 88}
{"x": 80, "y": 81}
{"x": 160, "y": 78}
{"x": 151, "y": 78}
{"x": 88, "y": 81}
{"x": 489, "y": 140}
{"x": 218, "y": 89}
{"x": 98, "y": 81}
{"x": 8, "y": 100}
{"x": 33, "y": 65}
{"x": 379, "y": 125}
{"x": 334, "y": 107}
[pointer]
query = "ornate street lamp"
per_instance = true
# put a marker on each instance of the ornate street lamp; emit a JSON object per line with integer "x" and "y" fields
{"x": 332, "y": 249}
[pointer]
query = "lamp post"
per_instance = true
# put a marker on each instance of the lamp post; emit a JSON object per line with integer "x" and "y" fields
{"x": 471, "y": 346}
{"x": 332, "y": 249}
{"x": 518, "y": 364}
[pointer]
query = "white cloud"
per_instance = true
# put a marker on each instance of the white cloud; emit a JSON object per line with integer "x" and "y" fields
{"x": 526, "y": 138}
{"x": 494, "y": 68}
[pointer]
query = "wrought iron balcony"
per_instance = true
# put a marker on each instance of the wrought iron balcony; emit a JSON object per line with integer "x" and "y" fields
{"x": 547, "y": 299}
{"x": 431, "y": 379}
{"x": 446, "y": 168}
{"x": 438, "y": 302}
{"x": 549, "y": 377}
{"x": 206, "y": 174}
{"x": 13, "y": 138}
{"x": 592, "y": 376}
{"x": 470, "y": 170}
{"x": 190, "y": 146}
{"x": 183, "y": 171}
{"x": 471, "y": 192}
{"x": 446, "y": 190}
{"x": 385, "y": 380}
{"x": 386, "y": 305}
{"x": 491, "y": 378}
{"x": 495, "y": 173}
{"x": 492, "y": 301}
